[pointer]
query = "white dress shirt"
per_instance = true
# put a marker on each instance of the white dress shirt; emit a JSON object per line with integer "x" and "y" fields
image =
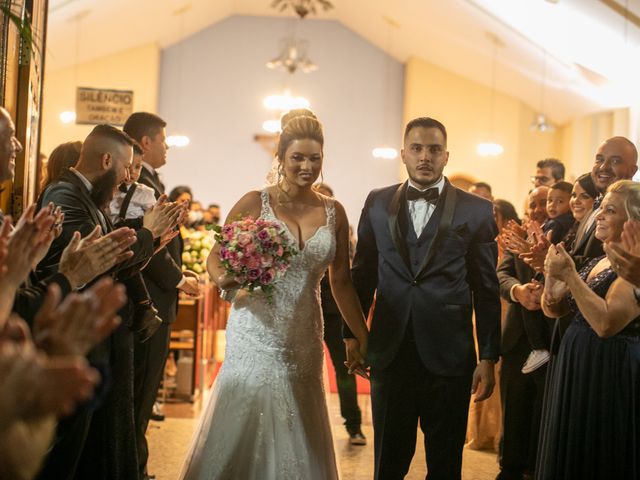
{"x": 421, "y": 210}
{"x": 141, "y": 202}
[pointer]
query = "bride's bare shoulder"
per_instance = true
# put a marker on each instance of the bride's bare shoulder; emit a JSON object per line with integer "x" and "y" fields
{"x": 249, "y": 205}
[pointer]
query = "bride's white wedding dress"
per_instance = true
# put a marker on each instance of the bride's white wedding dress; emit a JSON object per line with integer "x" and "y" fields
{"x": 267, "y": 415}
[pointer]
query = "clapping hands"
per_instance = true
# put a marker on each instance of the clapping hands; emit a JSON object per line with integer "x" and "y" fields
{"x": 28, "y": 242}
{"x": 526, "y": 241}
{"x": 164, "y": 216}
{"x": 625, "y": 256}
{"x": 513, "y": 238}
{"x": 79, "y": 322}
{"x": 558, "y": 263}
{"x": 34, "y": 384}
{"x": 540, "y": 244}
{"x": 84, "y": 259}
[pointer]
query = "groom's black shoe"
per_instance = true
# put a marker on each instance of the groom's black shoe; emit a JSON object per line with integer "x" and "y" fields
{"x": 356, "y": 437}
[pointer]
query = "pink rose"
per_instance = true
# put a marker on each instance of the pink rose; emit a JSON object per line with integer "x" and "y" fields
{"x": 254, "y": 274}
{"x": 266, "y": 260}
{"x": 253, "y": 261}
{"x": 250, "y": 249}
{"x": 244, "y": 239}
{"x": 280, "y": 251}
{"x": 267, "y": 277}
{"x": 235, "y": 264}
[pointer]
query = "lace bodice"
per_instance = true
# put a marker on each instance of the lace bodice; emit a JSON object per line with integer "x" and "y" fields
{"x": 294, "y": 314}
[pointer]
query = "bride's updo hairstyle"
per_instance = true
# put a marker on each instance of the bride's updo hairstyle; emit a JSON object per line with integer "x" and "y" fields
{"x": 298, "y": 124}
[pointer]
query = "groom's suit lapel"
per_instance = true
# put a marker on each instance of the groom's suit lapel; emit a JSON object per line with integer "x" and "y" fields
{"x": 395, "y": 216}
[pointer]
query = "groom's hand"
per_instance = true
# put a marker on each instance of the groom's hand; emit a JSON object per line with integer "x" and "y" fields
{"x": 355, "y": 359}
{"x": 483, "y": 380}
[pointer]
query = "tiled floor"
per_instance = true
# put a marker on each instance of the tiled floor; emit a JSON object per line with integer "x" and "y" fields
{"x": 169, "y": 441}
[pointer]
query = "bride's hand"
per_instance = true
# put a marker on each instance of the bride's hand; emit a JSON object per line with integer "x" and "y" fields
{"x": 226, "y": 282}
{"x": 356, "y": 354}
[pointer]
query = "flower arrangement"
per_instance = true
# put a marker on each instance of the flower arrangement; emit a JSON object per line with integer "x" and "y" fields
{"x": 256, "y": 253}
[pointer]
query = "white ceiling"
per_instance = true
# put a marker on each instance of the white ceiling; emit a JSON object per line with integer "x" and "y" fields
{"x": 592, "y": 59}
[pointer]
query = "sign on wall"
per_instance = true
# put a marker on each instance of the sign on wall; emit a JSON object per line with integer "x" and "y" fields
{"x": 99, "y": 105}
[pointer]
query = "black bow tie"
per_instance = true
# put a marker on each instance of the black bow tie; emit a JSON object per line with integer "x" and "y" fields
{"x": 430, "y": 194}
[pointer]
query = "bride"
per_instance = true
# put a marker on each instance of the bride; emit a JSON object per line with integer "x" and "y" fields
{"x": 267, "y": 416}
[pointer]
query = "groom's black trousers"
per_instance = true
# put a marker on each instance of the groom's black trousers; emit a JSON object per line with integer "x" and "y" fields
{"x": 404, "y": 394}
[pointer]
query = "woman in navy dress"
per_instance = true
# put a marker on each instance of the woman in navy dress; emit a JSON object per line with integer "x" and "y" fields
{"x": 591, "y": 418}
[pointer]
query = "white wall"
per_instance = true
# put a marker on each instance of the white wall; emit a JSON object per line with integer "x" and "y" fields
{"x": 212, "y": 85}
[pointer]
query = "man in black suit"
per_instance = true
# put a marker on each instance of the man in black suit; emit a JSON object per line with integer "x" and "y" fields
{"x": 428, "y": 251}
{"x": 163, "y": 277}
{"x": 82, "y": 193}
{"x": 521, "y": 393}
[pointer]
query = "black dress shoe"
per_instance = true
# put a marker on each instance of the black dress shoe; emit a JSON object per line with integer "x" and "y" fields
{"x": 145, "y": 322}
{"x": 356, "y": 437}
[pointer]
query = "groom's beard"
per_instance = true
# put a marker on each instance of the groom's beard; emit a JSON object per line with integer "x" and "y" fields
{"x": 103, "y": 189}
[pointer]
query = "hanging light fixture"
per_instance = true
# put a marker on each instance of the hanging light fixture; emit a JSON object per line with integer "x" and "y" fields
{"x": 540, "y": 123}
{"x": 302, "y": 7}
{"x": 284, "y": 102}
{"x": 293, "y": 56}
{"x": 387, "y": 152}
{"x": 491, "y": 148}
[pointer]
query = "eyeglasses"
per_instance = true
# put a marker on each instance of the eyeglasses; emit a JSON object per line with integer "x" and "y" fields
{"x": 540, "y": 179}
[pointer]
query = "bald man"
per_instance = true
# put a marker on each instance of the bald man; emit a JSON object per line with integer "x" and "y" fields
{"x": 616, "y": 159}
{"x": 9, "y": 146}
{"x": 521, "y": 394}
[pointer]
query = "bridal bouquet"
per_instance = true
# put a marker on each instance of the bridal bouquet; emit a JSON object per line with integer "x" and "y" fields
{"x": 256, "y": 253}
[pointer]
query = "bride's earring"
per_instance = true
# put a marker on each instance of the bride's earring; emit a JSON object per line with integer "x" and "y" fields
{"x": 280, "y": 174}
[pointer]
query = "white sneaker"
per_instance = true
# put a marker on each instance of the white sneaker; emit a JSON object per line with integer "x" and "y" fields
{"x": 536, "y": 359}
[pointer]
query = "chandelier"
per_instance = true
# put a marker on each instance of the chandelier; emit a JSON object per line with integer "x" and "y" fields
{"x": 293, "y": 56}
{"x": 302, "y": 7}
{"x": 541, "y": 124}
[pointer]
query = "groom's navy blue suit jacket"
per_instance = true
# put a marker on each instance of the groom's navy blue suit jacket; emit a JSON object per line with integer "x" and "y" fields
{"x": 433, "y": 281}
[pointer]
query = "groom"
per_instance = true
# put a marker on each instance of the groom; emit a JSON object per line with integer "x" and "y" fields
{"x": 427, "y": 251}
